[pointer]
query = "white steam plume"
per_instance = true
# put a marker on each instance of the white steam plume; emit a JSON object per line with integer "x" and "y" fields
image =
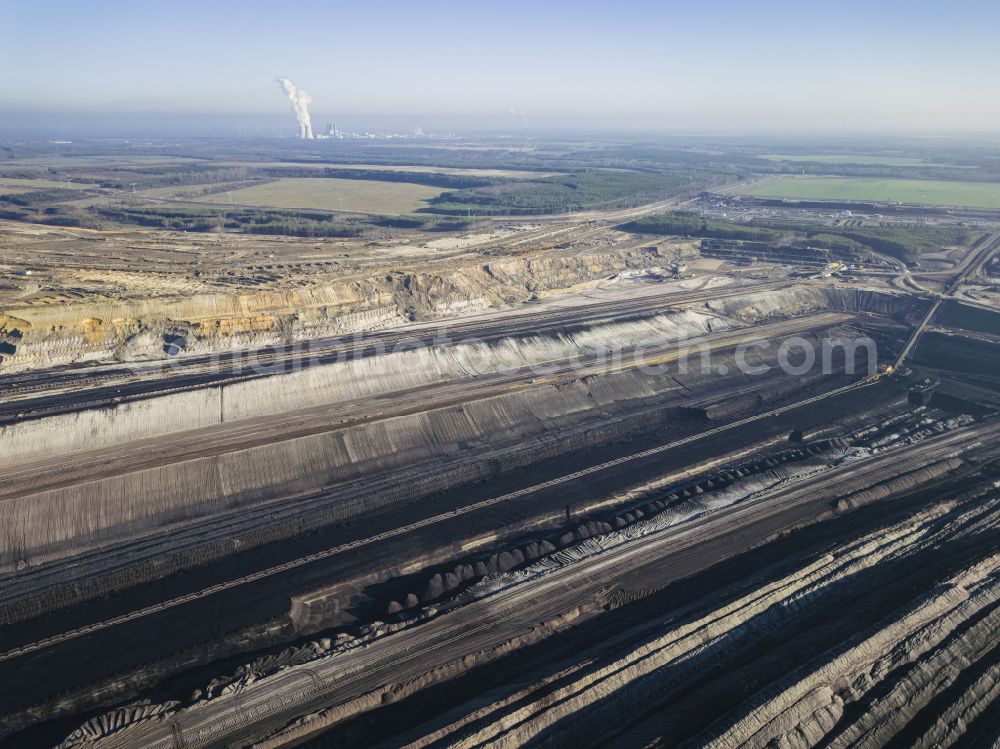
{"x": 300, "y": 101}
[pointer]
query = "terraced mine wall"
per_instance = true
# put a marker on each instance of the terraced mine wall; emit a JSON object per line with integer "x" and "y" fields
{"x": 761, "y": 306}
{"x": 41, "y": 336}
{"x": 452, "y": 446}
{"x": 745, "y": 252}
{"x": 356, "y": 379}
{"x": 955, "y": 314}
{"x": 341, "y": 382}
{"x": 959, "y": 353}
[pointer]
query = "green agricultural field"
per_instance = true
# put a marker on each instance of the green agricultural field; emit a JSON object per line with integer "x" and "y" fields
{"x": 926, "y": 191}
{"x": 363, "y": 196}
{"x": 848, "y": 158}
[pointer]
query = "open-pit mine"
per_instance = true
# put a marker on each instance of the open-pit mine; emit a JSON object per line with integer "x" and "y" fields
{"x": 569, "y": 480}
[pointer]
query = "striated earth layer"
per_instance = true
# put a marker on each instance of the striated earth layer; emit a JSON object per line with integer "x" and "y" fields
{"x": 116, "y": 321}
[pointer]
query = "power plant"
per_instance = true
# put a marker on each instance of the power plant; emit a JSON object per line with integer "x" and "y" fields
{"x": 330, "y": 132}
{"x": 300, "y": 102}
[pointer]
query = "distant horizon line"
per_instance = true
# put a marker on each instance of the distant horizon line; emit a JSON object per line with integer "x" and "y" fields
{"x": 47, "y": 132}
{"x": 102, "y": 123}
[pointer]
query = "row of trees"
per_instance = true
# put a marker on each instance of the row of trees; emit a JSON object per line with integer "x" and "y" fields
{"x": 693, "y": 225}
{"x": 572, "y": 192}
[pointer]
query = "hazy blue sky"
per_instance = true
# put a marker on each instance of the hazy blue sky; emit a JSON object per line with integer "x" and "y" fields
{"x": 741, "y": 66}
